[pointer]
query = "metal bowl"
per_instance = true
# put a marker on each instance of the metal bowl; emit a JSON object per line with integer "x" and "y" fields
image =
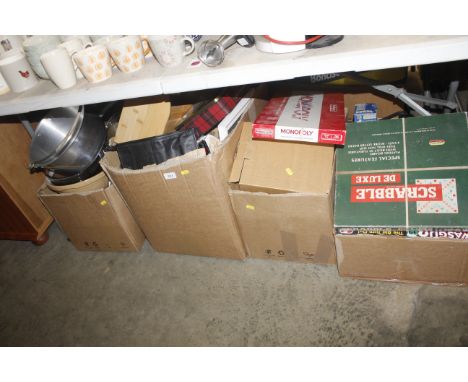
{"x": 67, "y": 139}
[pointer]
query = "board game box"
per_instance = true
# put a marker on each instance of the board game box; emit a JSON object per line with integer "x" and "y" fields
{"x": 317, "y": 118}
{"x": 404, "y": 177}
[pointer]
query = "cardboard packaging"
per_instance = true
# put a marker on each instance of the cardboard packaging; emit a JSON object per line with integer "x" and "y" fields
{"x": 316, "y": 118}
{"x": 95, "y": 220}
{"x": 404, "y": 159}
{"x": 365, "y": 112}
{"x": 391, "y": 258}
{"x": 282, "y": 197}
{"x": 404, "y": 177}
{"x": 182, "y": 205}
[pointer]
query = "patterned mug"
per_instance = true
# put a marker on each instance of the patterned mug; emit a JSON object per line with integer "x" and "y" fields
{"x": 171, "y": 50}
{"x": 127, "y": 53}
{"x": 94, "y": 62}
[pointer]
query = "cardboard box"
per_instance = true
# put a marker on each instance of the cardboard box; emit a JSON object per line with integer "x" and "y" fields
{"x": 316, "y": 118}
{"x": 404, "y": 177}
{"x": 389, "y": 258}
{"x": 95, "y": 220}
{"x": 182, "y": 205}
{"x": 392, "y": 257}
{"x": 282, "y": 197}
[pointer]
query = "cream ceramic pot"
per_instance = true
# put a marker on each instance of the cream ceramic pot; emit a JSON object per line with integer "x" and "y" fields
{"x": 16, "y": 71}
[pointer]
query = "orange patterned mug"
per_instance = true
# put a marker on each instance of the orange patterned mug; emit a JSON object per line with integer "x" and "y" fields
{"x": 127, "y": 53}
{"x": 94, "y": 62}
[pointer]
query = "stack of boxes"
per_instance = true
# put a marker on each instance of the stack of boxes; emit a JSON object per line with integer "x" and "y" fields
{"x": 276, "y": 200}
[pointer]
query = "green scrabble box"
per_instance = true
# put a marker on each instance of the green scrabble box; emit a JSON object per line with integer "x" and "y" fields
{"x": 405, "y": 177}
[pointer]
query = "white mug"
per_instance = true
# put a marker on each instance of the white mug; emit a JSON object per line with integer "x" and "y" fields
{"x": 103, "y": 39}
{"x": 72, "y": 46}
{"x": 59, "y": 67}
{"x": 84, "y": 39}
{"x": 127, "y": 53}
{"x": 16, "y": 71}
{"x": 94, "y": 62}
{"x": 35, "y": 47}
{"x": 170, "y": 50}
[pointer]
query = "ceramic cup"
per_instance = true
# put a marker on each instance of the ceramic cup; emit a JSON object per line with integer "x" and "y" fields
{"x": 94, "y": 63}
{"x": 59, "y": 67}
{"x": 127, "y": 53}
{"x": 84, "y": 39}
{"x": 35, "y": 47}
{"x": 170, "y": 50}
{"x": 10, "y": 42}
{"x": 72, "y": 46}
{"x": 101, "y": 39}
{"x": 17, "y": 71}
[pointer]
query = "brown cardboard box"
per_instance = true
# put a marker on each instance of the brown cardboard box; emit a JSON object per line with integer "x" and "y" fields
{"x": 392, "y": 258}
{"x": 403, "y": 259}
{"x": 95, "y": 220}
{"x": 182, "y": 205}
{"x": 281, "y": 194}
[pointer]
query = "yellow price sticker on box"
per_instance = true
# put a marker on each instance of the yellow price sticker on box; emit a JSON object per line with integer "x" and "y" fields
{"x": 185, "y": 172}
{"x": 289, "y": 171}
{"x": 250, "y": 207}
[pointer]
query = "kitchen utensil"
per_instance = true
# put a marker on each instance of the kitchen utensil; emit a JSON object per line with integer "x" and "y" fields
{"x": 67, "y": 140}
{"x": 59, "y": 67}
{"x": 127, "y": 53}
{"x": 35, "y": 47}
{"x": 94, "y": 62}
{"x": 93, "y": 183}
{"x": 64, "y": 177}
{"x": 16, "y": 71}
{"x": 211, "y": 52}
{"x": 170, "y": 50}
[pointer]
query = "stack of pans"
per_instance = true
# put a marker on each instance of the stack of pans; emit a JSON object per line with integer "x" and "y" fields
{"x": 67, "y": 145}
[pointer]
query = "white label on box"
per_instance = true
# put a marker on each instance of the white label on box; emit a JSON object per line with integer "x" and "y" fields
{"x": 170, "y": 175}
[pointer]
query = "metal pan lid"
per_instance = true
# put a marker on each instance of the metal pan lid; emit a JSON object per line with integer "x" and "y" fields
{"x": 54, "y": 134}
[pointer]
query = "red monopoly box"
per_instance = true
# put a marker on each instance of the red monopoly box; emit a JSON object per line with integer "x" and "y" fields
{"x": 317, "y": 118}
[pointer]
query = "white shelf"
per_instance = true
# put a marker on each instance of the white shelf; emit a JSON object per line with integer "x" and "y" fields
{"x": 244, "y": 66}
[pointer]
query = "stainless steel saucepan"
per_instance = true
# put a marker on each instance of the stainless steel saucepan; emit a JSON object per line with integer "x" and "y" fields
{"x": 67, "y": 140}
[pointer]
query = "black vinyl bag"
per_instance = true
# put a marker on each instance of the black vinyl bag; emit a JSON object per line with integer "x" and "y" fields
{"x": 154, "y": 150}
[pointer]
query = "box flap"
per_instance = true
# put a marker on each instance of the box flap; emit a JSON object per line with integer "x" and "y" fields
{"x": 282, "y": 166}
